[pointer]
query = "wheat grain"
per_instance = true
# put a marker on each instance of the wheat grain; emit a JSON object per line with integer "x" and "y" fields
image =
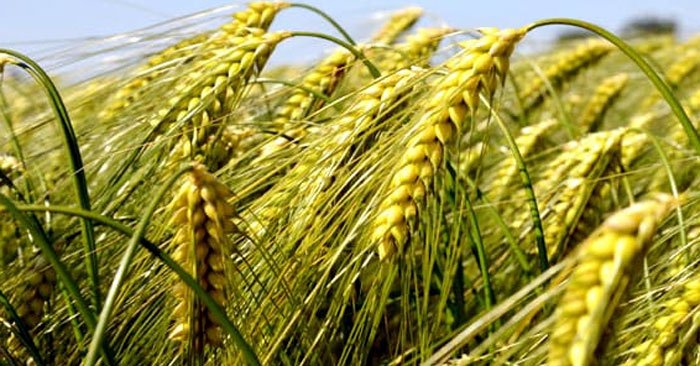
{"x": 258, "y": 15}
{"x": 480, "y": 68}
{"x": 470, "y": 158}
{"x": 202, "y": 215}
{"x": 604, "y": 266}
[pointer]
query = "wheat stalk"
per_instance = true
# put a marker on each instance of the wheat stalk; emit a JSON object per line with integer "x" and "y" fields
{"x": 604, "y": 266}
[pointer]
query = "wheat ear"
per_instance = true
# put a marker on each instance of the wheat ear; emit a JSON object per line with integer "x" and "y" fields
{"x": 203, "y": 218}
{"x": 566, "y": 67}
{"x": 258, "y": 15}
{"x": 578, "y": 205}
{"x": 415, "y": 50}
{"x": 145, "y": 75}
{"x": 479, "y": 69}
{"x": 604, "y": 266}
{"x": 399, "y": 22}
{"x": 214, "y": 87}
{"x": 663, "y": 348}
{"x": 603, "y": 98}
{"x": 677, "y": 72}
{"x": 312, "y": 172}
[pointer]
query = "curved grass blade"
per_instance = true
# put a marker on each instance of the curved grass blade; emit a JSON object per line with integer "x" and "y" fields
{"x": 71, "y": 144}
{"x": 327, "y": 17}
{"x": 352, "y": 49}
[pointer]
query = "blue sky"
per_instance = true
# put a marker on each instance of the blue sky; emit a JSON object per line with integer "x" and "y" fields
{"x": 30, "y": 24}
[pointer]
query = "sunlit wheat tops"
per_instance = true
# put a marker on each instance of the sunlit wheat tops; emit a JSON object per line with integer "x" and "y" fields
{"x": 480, "y": 68}
{"x": 215, "y": 85}
{"x": 324, "y": 79}
{"x": 362, "y": 115}
{"x": 257, "y": 16}
{"x": 397, "y": 24}
{"x": 416, "y": 50}
{"x": 605, "y": 265}
{"x": 603, "y": 97}
{"x": 202, "y": 217}
{"x": 148, "y": 72}
{"x": 569, "y": 64}
{"x": 665, "y": 346}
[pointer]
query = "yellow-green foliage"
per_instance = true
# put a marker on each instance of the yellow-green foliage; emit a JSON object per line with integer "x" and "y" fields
{"x": 424, "y": 196}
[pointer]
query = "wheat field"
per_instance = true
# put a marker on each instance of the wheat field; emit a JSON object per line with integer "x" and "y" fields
{"x": 428, "y": 195}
